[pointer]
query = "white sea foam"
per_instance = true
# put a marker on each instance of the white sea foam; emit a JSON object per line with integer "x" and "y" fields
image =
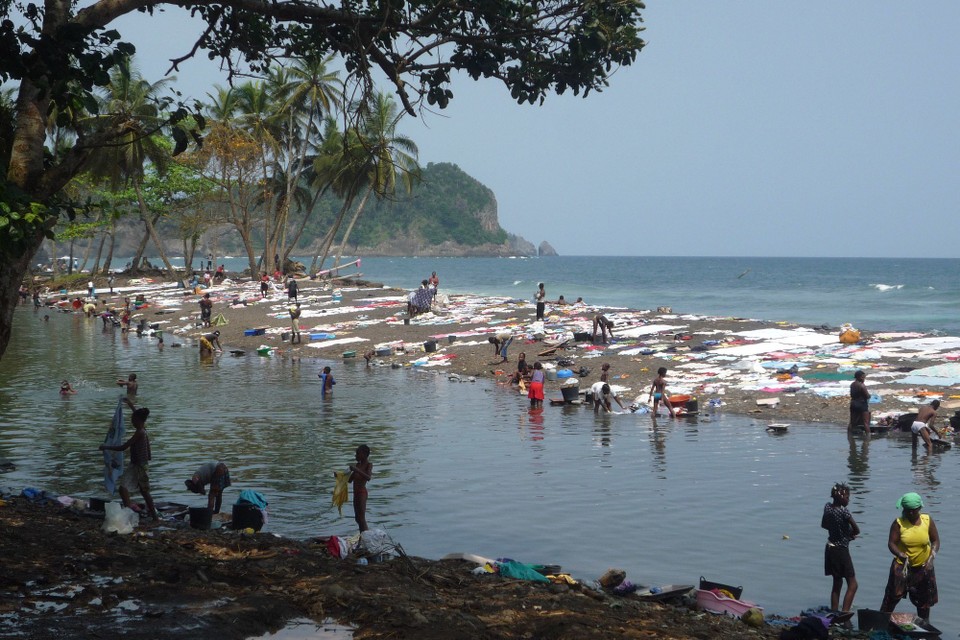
{"x": 886, "y": 287}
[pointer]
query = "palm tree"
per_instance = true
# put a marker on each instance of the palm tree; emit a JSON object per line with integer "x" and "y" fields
{"x": 387, "y": 159}
{"x": 336, "y": 169}
{"x": 313, "y": 91}
{"x": 130, "y": 106}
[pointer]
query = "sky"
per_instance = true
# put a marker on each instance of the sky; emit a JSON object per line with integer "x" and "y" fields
{"x": 744, "y": 128}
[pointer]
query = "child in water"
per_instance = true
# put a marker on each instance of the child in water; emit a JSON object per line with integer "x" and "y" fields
{"x": 326, "y": 381}
{"x": 360, "y": 474}
{"x": 66, "y": 389}
{"x": 836, "y": 559}
{"x": 658, "y": 391}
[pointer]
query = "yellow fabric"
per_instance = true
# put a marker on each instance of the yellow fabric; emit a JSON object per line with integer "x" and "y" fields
{"x": 340, "y": 489}
{"x": 850, "y": 336}
{"x": 915, "y": 539}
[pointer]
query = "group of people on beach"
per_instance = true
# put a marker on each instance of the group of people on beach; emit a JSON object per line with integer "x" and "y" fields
{"x": 913, "y": 540}
{"x": 922, "y": 426}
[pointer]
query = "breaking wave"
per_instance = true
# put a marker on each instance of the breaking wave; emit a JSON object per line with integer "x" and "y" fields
{"x": 886, "y": 287}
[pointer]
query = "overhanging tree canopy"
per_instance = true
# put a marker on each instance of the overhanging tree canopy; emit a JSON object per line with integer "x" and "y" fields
{"x": 59, "y": 54}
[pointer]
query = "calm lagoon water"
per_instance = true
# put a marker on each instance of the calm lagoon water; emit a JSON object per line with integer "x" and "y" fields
{"x": 466, "y": 467}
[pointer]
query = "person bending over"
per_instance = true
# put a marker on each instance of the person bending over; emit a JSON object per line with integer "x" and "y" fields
{"x": 215, "y": 474}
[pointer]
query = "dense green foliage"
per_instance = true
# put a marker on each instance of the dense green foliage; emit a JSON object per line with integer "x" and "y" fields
{"x": 446, "y": 205}
{"x": 59, "y": 53}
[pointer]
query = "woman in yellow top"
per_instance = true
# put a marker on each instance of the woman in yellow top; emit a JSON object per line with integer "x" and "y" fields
{"x": 914, "y": 543}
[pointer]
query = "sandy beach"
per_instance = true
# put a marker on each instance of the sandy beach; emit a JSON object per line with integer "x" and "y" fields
{"x": 777, "y": 372}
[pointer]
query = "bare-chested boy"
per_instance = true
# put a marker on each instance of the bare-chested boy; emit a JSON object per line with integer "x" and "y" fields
{"x": 360, "y": 473}
{"x": 658, "y": 391}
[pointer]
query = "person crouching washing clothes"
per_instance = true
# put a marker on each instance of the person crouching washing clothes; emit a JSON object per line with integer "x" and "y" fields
{"x": 215, "y": 474}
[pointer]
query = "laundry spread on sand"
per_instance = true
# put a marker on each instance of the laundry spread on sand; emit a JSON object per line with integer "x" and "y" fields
{"x": 941, "y": 375}
{"x": 706, "y": 355}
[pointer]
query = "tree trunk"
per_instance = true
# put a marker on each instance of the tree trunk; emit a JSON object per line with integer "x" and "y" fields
{"x": 248, "y": 246}
{"x": 145, "y": 216}
{"x": 113, "y": 241}
{"x": 86, "y": 255}
{"x": 353, "y": 221}
{"x": 328, "y": 239}
{"x": 138, "y": 257}
{"x": 96, "y": 262}
{"x": 12, "y": 272}
{"x": 303, "y": 222}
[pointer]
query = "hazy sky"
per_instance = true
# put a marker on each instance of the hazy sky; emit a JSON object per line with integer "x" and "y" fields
{"x": 744, "y": 128}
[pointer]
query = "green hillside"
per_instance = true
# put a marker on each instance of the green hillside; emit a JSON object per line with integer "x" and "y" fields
{"x": 448, "y": 205}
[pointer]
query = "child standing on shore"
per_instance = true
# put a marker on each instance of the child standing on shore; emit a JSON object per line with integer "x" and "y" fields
{"x": 658, "y": 391}
{"x": 836, "y": 558}
{"x": 135, "y": 475}
{"x": 360, "y": 474}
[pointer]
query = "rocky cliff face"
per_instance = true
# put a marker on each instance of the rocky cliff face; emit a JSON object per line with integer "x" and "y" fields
{"x": 515, "y": 246}
{"x": 546, "y": 250}
{"x": 488, "y": 215}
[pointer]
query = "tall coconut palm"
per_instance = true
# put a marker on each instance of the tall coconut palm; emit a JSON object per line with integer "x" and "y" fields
{"x": 130, "y": 104}
{"x": 313, "y": 91}
{"x": 388, "y": 159}
{"x": 335, "y": 169}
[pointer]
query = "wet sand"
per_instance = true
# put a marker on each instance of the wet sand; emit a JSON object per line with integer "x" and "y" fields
{"x": 366, "y": 317}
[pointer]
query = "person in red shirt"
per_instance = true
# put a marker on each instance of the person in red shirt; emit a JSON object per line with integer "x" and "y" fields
{"x": 264, "y": 285}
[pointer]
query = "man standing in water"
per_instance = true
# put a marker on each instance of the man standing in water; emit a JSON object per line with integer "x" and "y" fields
{"x": 859, "y": 399}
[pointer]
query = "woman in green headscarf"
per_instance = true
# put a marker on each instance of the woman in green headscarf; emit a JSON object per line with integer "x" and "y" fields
{"x": 914, "y": 543}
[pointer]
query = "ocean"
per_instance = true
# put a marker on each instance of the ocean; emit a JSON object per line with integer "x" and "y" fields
{"x": 467, "y": 467}
{"x": 877, "y": 294}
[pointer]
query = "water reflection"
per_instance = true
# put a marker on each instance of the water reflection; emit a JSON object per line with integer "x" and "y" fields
{"x": 658, "y": 448}
{"x": 468, "y": 467}
{"x": 924, "y": 468}
{"x": 857, "y": 462}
